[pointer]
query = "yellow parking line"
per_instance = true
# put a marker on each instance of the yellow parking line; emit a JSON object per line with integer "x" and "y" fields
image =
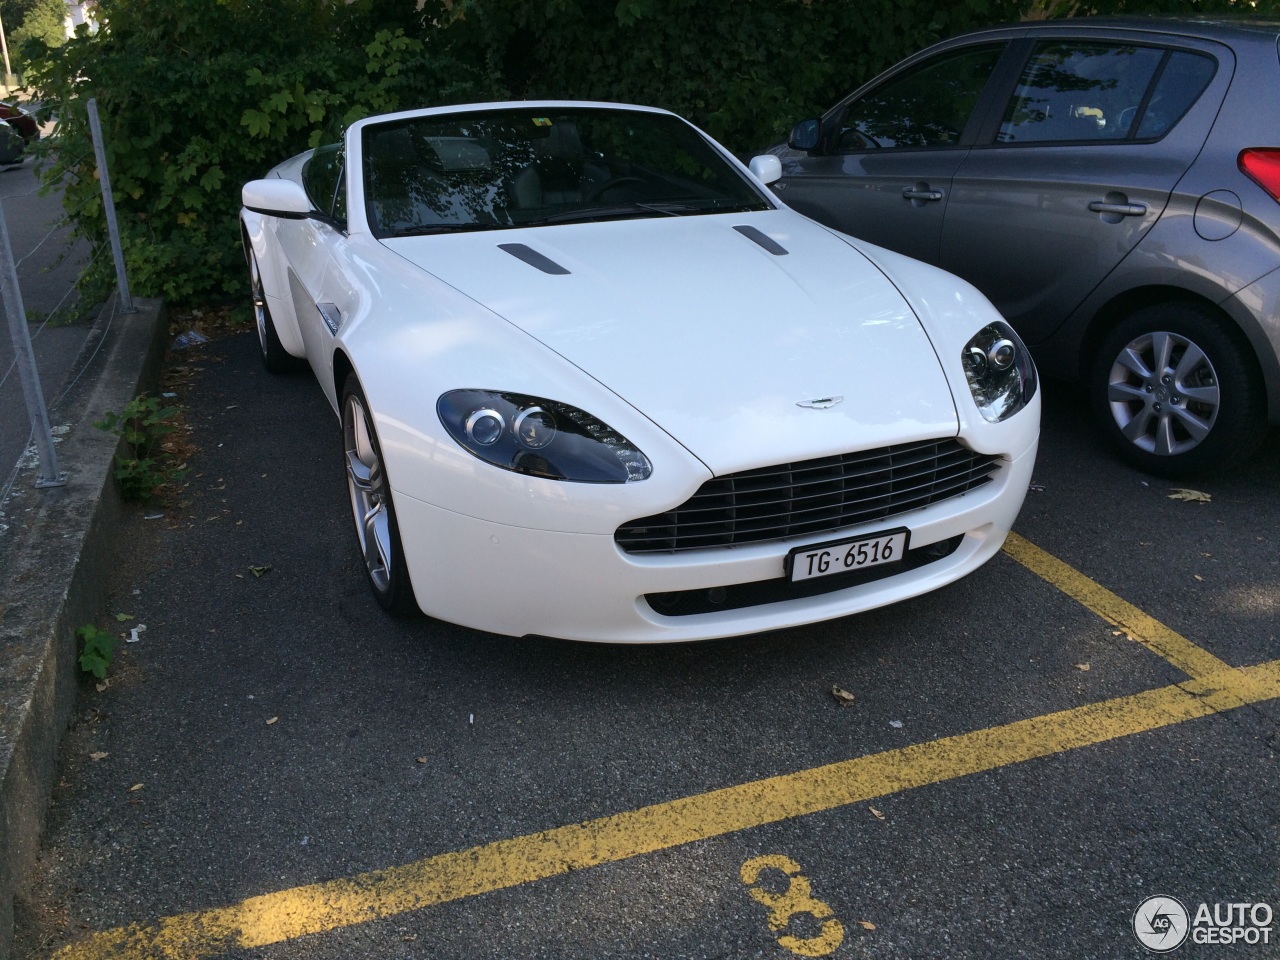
{"x": 1146, "y": 630}
{"x": 287, "y": 914}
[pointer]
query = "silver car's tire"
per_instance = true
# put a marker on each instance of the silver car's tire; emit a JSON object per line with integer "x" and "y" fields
{"x": 1177, "y": 392}
{"x": 372, "y": 511}
{"x": 274, "y": 356}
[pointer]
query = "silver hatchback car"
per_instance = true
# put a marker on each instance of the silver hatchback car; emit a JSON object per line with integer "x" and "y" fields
{"x": 1112, "y": 185}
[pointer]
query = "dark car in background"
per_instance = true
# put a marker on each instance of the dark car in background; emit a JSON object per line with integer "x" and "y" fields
{"x": 1112, "y": 185}
{"x": 18, "y": 129}
{"x": 20, "y": 120}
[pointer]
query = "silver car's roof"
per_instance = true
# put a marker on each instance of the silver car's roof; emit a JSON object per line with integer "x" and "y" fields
{"x": 1221, "y": 28}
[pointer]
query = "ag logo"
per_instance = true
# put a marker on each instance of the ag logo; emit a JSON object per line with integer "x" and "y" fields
{"x": 1161, "y": 924}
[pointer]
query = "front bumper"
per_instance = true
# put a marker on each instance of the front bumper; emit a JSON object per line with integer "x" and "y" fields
{"x": 520, "y": 581}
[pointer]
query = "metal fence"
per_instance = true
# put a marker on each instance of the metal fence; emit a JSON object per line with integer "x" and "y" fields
{"x": 45, "y": 269}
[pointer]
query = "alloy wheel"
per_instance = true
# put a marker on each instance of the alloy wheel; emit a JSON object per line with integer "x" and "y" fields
{"x": 1163, "y": 392}
{"x": 366, "y": 485}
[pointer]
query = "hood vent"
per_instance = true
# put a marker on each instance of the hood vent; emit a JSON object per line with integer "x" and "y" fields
{"x": 764, "y": 240}
{"x": 532, "y": 257}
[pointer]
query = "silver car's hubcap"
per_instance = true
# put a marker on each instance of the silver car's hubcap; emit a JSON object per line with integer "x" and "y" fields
{"x": 366, "y": 484}
{"x": 1163, "y": 393}
{"x": 259, "y": 301}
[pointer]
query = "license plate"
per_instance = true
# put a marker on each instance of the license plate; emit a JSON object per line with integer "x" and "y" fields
{"x": 841, "y": 556}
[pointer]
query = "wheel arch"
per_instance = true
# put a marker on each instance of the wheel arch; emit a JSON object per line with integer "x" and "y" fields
{"x": 253, "y": 238}
{"x": 1242, "y": 330}
{"x": 342, "y": 368}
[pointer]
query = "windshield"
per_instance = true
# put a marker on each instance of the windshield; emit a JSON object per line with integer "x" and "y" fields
{"x": 521, "y": 167}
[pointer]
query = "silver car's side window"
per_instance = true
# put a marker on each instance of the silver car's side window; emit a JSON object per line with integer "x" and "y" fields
{"x": 1077, "y": 91}
{"x": 927, "y": 106}
{"x": 1179, "y": 86}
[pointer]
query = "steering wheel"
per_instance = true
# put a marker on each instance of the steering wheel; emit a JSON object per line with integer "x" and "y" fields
{"x": 609, "y": 185}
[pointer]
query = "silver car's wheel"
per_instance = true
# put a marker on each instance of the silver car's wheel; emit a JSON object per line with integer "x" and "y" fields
{"x": 1163, "y": 393}
{"x": 1178, "y": 392}
{"x": 371, "y": 508}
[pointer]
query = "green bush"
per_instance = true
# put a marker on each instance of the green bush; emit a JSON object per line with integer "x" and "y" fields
{"x": 744, "y": 71}
{"x": 199, "y": 96}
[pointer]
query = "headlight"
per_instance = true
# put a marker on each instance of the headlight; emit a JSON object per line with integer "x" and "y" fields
{"x": 542, "y": 438}
{"x": 1001, "y": 376}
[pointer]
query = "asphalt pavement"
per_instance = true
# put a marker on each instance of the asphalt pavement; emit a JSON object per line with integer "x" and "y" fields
{"x": 278, "y": 769}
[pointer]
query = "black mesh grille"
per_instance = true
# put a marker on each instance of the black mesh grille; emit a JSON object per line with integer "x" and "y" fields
{"x": 814, "y": 496}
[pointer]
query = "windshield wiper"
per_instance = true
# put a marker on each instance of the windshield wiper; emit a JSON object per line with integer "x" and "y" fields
{"x": 611, "y": 212}
{"x": 427, "y": 229}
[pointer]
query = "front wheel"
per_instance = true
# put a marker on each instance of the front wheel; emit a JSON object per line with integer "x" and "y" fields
{"x": 1176, "y": 393}
{"x": 377, "y": 532}
{"x": 274, "y": 356}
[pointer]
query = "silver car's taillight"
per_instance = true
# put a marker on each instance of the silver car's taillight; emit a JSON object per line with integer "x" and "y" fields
{"x": 1262, "y": 166}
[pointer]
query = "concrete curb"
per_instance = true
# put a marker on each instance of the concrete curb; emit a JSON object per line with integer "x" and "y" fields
{"x": 54, "y": 559}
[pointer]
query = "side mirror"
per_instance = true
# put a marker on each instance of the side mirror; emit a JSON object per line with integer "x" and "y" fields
{"x": 767, "y": 168}
{"x": 806, "y": 135}
{"x": 276, "y": 198}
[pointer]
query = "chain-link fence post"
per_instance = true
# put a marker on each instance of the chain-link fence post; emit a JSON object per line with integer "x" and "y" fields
{"x": 109, "y": 207}
{"x": 25, "y": 359}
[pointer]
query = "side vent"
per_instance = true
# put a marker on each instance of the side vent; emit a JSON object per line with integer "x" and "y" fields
{"x": 532, "y": 257}
{"x": 764, "y": 240}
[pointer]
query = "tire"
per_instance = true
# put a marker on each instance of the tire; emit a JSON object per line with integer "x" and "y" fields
{"x": 274, "y": 356}
{"x": 1177, "y": 393}
{"x": 372, "y": 510}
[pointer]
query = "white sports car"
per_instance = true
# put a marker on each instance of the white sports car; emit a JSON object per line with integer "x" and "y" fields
{"x": 596, "y": 382}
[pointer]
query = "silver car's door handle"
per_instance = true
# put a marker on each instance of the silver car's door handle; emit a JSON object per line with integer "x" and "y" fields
{"x": 914, "y": 193}
{"x": 1122, "y": 209}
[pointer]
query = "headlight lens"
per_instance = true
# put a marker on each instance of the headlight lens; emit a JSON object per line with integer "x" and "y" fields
{"x": 999, "y": 370}
{"x": 539, "y": 437}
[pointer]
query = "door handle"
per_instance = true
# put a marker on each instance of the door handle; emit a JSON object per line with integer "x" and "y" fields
{"x": 1120, "y": 209}
{"x": 919, "y": 192}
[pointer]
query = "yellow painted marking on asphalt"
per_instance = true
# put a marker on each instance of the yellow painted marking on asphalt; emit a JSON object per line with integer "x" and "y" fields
{"x": 287, "y": 914}
{"x": 1145, "y": 629}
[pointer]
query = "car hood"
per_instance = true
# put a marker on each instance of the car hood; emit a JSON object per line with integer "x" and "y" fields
{"x": 712, "y": 336}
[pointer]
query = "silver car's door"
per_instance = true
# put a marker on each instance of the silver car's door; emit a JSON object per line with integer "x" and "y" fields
{"x": 889, "y": 152}
{"x": 1074, "y": 169}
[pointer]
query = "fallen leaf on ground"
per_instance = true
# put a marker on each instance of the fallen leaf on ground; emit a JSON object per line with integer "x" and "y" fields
{"x": 866, "y": 925}
{"x": 1191, "y": 496}
{"x": 122, "y": 617}
{"x": 98, "y": 755}
{"x": 422, "y": 759}
{"x": 272, "y": 720}
{"x": 135, "y": 788}
{"x": 259, "y": 571}
{"x": 844, "y": 696}
{"x": 1084, "y": 667}
{"x": 876, "y": 813}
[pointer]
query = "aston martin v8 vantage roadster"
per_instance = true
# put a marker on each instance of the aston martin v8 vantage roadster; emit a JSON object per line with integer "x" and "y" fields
{"x": 595, "y": 382}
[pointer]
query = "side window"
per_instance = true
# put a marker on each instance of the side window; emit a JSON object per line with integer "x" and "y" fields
{"x": 926, "y": 107}
{"x": 1079, "y": 91}
{"x": 1180, "y": 84}
{"x": 322, "y": 176}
